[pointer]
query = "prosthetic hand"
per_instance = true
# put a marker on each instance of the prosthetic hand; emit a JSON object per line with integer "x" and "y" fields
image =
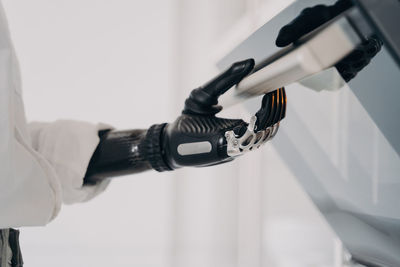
{"x": 196, "y": 138}
{"x": 311, "y": 18}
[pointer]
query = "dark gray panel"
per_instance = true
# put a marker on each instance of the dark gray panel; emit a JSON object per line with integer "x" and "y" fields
{"x": 378, "y": 89}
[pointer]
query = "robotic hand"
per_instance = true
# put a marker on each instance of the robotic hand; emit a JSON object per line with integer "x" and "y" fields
{"x": 311, "y": 18}
{"x": 199, "y": 138}
{"x": 196, "y": 138}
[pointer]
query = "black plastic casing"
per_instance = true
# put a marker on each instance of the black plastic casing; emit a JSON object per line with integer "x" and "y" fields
{"x": 192, "y": 129}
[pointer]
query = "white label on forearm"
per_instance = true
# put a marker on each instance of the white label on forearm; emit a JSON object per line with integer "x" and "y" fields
{"x": 194, "y": 148}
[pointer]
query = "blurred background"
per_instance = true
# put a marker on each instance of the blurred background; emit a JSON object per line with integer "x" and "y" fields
{"x": 131, "y": 64}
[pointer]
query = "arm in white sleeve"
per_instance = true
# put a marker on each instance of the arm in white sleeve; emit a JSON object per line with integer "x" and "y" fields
{"x": 39, "y": 176}
{"x": 68, "y": 146}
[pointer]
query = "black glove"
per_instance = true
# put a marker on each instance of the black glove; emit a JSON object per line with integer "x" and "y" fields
{"x": 311, "y": 18}
{"x": 199, "y": 138}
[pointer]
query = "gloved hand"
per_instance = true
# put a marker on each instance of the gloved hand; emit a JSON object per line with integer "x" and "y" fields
{"x": 199, "y": 138}
{"x": 311, "y": 18}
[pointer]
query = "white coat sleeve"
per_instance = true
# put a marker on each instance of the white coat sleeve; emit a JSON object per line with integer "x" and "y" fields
{"x": 68, "y": 146}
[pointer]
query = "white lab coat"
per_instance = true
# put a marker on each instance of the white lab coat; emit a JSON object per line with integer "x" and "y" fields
{"x": 41, "y": 164}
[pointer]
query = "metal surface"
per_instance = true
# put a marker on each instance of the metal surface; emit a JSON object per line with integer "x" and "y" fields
{"x": 251, "y": 140}
{"x": 337, "y": 37}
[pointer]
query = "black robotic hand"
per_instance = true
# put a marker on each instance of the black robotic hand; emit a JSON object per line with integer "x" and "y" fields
{"x": 311, "y": 18}
{"x": 196, "y": 138}
{"x": 199, "y": 138}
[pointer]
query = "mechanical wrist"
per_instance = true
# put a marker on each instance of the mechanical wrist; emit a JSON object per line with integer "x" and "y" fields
{"x": 153, "y": 148}
{"x": 197, "y": 140}
{"x": 189, "y": 141}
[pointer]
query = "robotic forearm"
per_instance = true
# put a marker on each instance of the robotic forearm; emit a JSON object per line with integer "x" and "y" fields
{"x": 196, "y": 138}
